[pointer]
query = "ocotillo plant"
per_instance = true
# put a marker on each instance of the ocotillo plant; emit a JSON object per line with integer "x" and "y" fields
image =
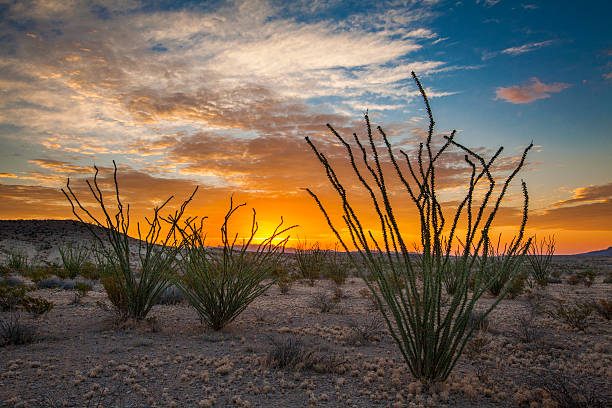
{"x": 220, "y": 286}
{"x": 135, "y": 291}
{"x": 539, "y": 257}
{"x": 430, "y": 331}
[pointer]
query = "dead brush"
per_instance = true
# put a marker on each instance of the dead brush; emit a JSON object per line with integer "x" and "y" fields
{"x": 292, "y": 354}
{"x": 575, "y": 315}
{"x": 14, "y": 332}
{"x": 365, "y": 332}
{"x": 570, "y": 391}
{"x": 324, "y": 302}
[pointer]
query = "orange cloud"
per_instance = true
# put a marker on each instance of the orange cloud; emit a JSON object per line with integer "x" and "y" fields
{"x": 529, "y": 92}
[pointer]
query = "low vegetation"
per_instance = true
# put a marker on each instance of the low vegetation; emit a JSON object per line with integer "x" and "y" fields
{"x": 220, "y": 285}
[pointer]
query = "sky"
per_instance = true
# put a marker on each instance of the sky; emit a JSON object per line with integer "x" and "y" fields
{"x": 221, "y": 95}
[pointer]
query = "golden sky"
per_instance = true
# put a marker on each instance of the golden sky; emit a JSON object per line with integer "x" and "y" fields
{"x": 221, "y": 95}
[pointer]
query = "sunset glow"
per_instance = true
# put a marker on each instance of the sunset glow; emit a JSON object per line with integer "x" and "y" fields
{"x": 221, "y": 95}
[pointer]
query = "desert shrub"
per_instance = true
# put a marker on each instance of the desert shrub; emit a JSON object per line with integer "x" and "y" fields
{"x": 49, "y": 283}
{"x": 14, "y": 332}
{"x": 12, "y": 297}
{"x": 526, "y": 330}
{"x": 36, "y": 306}
{"x": 292, "y": 354}
{"x": 172, "y": 295}
{"x": 570, "y": 391}
{"x": 42, "y": 272}
{"x": 282, "y": 275}
{"x": 539, "y": 256}
{"x": 116, "y": 296}
{"x": 140, "y": 287}
{"x": 82, "y": 288}
{"x": 479, "y": 321}
{"x": 603, "y": 308}
{"x": 74, "y": 258}
{"x": 288, "y": 353}
{"x": 324, "y": 302}
{"x": 220, "y": 286}
{"x": 311, "y": 261}
{"x": 17, "y": 260}
{"x": 4, "y": 270}
{"x": 430, "y": 332}
{"x": 503, "y": 259}
{"x": 364, "y": 332}
{"x": 336, "y": 266}
{"x": 586, "y": 277}
{"x": 517, "y": 285}
{"x": 574, "y": 315}
{"x": 477, "y": 345}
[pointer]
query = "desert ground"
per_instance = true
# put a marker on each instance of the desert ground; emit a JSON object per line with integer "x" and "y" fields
{"x": 524, "y": 356}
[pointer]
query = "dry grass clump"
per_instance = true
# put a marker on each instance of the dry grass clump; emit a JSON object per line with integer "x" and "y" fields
{"x": 311, "y": 260}
{"x": 14, "y": 332}
{"x": 290, "y": 353}
{"x": 324, "y": 302}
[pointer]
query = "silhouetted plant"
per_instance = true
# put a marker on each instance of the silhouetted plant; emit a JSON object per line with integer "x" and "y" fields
{"x": 311, "y": 260}
{"x": 220, "y": 286}
{"x": 138, "y": 289}
{"x": 539, "y": 257}
{"x": 430, "y": 331}
{"x": 504, "y": 260}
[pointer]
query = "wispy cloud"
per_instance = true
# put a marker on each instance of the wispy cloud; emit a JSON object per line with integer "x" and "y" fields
{"x": 529, "y": 92}
{"x": 521, "y": 49}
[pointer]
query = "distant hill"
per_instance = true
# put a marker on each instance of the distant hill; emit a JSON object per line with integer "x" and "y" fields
{"x": 40, "y": 239}
{"x": 602, "y": 252}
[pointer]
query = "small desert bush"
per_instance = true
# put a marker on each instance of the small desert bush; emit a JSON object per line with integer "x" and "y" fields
{"x": 574, "y": 315}
{"x": 11, "y": 297}
{"x": 17, "y": 260}
{"x": 41, "y": 273}
{"x": 430, "y": 330}
{"x": 586, "y": 277}
{"x": 74, "y": 259}
{"x": 324, "y": 302}
{"x": 311, "y": 261}
{"x": 221, "y": 285}
{"x": 364, "y": 332}
{"x": 336, "y": 266}
{"x": 509, "y": 281}
{"x": 539, "y": 258}
{"x": 604, "y": 308}
{"x": 281, "y": 273}
{"x": 82, "y": 288}
{"x": 14, "y": 332}
{"x": 134, "y": 290}
{"x": 570, "y": 391}
{"x": 292, "y": 354}
{"x": 36, "y": 306}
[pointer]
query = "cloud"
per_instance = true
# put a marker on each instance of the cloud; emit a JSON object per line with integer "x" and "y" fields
{"x": 529, "y": 92}
{"x": 592, "y": 193}
{"x": 526, "y": 48}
